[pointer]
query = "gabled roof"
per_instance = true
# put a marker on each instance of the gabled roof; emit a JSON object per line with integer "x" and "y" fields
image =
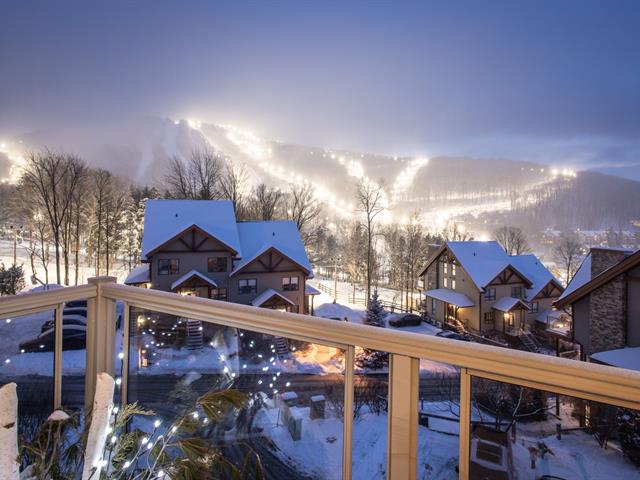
{"x": 309, "y": 290}
{"x": 582, "y": 282}
{"x": 628, "y": 358}
{"x": 191, "y": 274}
{"x": 450, "y": 296}
{"x": 139, "y": 274}
{"x": 534, "y": 270}
{"x": 257, "y": 238}
{"x": 165, "y": 219}
{"x": 506, "y": 304}
{"x": 483, "y": 261}
{"x": 267, "y": 295}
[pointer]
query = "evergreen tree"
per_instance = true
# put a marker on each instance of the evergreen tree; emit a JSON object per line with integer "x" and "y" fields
{"x": 629, "y": 434}
{"x": 373, "y": 359}
{"x": 11, "y": 279}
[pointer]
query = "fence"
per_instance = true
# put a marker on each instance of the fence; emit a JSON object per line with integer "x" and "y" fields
{"x": 566, "y": 377}
{"x": 354, "y": 299}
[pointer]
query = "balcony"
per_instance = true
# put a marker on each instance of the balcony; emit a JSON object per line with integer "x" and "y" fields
{"x": 311, "y": 391}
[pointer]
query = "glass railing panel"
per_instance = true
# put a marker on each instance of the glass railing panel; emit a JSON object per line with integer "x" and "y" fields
{"x": 292, "y": 414}
{"x": 26, "y": 358}
{"x": 522, "y": 432}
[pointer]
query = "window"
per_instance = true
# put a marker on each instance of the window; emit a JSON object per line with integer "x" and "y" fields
{"x": 219, "y": 294}
{"x": 217, "y": 264}
{"x": 445, "y": 282}
{"x": 490, "y": 294}
{"x": 533, "y": 307}
{"x": 290, "y": 284}
{"x": 453, "y": 269}
{"x": 445, "y": 267}
{"x": 516, "y": 292}
{"x": 168, "y": 266}
{"x": 248, "y": 285}
{"x": 453, "y": 283}
{"x": 433, "y": 306}
{"x": 489, "y": 316}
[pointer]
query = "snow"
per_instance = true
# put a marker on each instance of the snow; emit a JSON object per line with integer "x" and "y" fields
{"x": 337, "y": 310}
{"x": 582, "y": 276}
{"x": 628, "y": 358}
{"x": 98, "y": 428}
{"x": 482, "y": 261}
{"x": 9, "y": 467}
{"x": 258, "y": 237}
{"x": 139, "y": 274}
{"x": 450, "y": 296}
{"x": 164, "y": 219}
{"x": 535, "y": 271}
{"x": 506, "y": 304}
{"x": 309, "y": 290}
{"x": 268, "y": 294}
{"x": 189, "y": 275}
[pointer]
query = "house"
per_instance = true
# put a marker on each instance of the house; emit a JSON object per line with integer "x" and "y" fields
{"x": 477, "y": 286}
{"x": 197, "y": 247}
{"x": 604, "y": 300}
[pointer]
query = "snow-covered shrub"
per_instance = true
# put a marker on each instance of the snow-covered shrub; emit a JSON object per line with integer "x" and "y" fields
{"x": 629, "y": 434}
{"x": 11, "y": 279}
{"x": 373, "y": 359}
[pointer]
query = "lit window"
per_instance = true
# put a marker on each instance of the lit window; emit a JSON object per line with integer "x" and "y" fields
{"x": 445, "y": 282}
{"x": 453, "y": 269}
{"x": 445, "y": 267}
{"x": 453, "y": 283}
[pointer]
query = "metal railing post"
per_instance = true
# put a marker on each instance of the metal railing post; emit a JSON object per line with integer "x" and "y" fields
{"x": 347, "y": 459}
{"x": 402, "y": 436}
{"x": 465, "y": 424}
{"x": 57, "y": 356}
{"x": 101, "y": 331}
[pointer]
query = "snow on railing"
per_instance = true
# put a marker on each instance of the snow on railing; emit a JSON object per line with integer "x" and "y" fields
{"x": 565, "y": 377}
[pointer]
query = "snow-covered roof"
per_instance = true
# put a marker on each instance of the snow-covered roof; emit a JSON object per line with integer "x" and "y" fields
{"x": 139, "y": 274}
{"x": 530, "y": 266}
{"x": 483, "y": 261}
{"x": 309, "y": 290}
{"x": 506, "y": 304}
{"x": 582, "y": 276}
{"x": 164, "y": 219}
{"x": 628, "y": 358}
{"x": 268, "y": 294}
{"x": 449, "y": 296}
{"x": 191, "y": 274}
{"x": 257, "y": 238}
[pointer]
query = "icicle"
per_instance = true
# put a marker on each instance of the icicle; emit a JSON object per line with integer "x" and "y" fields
{"x": 9, "y": 432}
{"x": 102, "y": 405}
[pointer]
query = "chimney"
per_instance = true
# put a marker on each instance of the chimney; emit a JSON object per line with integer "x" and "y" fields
{"x": 604, "y": 258}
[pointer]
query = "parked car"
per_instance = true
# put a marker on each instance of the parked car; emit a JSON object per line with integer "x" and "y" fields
{"x": 406, "y": 320}
{"x": 77, "y": 320}
{"x": 451, "y": 335}
{"x": 334, "y": 318}
{"x": 74, "y": 337}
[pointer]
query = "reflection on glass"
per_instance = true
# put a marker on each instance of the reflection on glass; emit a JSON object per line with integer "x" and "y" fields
{"x": 293, "y": 413}
{"x": 519, "y": 432}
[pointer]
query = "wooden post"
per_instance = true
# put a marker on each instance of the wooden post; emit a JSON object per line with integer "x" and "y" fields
{"x": 402, "y": 440}
{"x": 101, "y": 332}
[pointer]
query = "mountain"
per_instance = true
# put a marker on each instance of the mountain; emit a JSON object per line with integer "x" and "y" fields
{"x": 476, "y": 191}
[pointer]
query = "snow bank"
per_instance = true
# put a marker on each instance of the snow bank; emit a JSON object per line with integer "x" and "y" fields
{"x": 9, "y": 467}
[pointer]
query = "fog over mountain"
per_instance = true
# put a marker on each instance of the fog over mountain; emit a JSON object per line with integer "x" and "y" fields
{"x": 477, "y": 191}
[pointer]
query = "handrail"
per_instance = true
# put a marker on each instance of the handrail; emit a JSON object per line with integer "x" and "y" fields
{"x": 617, "y": 386}
{"x": 26, "y": 303}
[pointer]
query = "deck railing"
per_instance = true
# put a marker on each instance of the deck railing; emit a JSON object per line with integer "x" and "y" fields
{"x": 564, "y": 377}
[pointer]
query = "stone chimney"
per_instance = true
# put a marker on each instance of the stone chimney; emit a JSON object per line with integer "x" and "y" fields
{"x": 604, "y": 258}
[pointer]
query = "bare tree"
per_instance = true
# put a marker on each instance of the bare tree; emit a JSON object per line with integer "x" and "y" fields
{"x": 196, "y": 178}
{"x": 265, "y": 203}
{"x": 568, "y": 254}
{"x": 233, "y": 185}
{"x": 304, "y": 209}
{"x": 51, "y": 180}
{"x": 455, "y": 232}
{"x": 512, "y": 240}
{"x": 370, "y": 201}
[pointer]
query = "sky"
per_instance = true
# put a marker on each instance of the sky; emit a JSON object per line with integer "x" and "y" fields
{"x": 550, "y": 81}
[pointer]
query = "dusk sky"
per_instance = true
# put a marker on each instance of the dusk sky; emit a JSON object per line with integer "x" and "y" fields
{"x": 550, "y": 81}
